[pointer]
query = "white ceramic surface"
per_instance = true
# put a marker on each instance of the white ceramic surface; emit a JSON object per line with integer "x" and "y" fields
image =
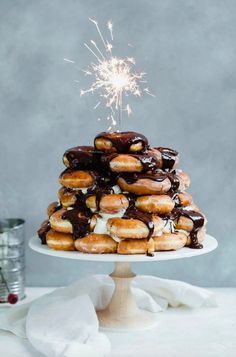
{"x": 210, "y": 244}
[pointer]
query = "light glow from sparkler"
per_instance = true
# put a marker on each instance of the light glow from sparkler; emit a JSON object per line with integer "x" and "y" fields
{"x": 113, "y": 78}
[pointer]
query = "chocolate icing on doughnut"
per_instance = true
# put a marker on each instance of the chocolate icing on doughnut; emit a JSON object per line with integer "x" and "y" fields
{"x": 149, "y": 162}
{"x": 97, "y": 174}
{"x": 79, "y": 216}
{"x": 198, "y": 222}
{"x": 169, "y": 157}
{"x": 43, "y": 230}
{"x": 133, "y": 212}
{"x": 82, "y": 157}
{"x": 157, "y": 176}
{"x": 122, "y": 141}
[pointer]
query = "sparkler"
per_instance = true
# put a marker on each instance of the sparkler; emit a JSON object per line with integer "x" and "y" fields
{"x": 113, "y": 78}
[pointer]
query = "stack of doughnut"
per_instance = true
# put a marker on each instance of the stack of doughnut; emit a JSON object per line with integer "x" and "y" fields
{"x": 122, "y": 196}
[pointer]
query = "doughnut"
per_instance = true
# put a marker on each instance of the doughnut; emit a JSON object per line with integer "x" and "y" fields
{"x": 81, "y": 157}
{"x": 121, "y": 142}
{"x": 96, "y": 244}
{"x": 42, "y": 232}
{"x": 133, "y": 228}
{"x": 182, "y": 199}
{"x": 74, "y": 221}
{"x": 184, "y": 179}
{"x": 153, "y": 183}
{"x": 148, "y": 184}
{"x": 168, "y": 158}
{"x": 162, "y": 204}
{"x": 53, "y": 207}
{"x": 58, "y": 224}
{"x": 112, "y": 203}
{"x": 130, "y": 162}
{"x": 77, "y": 179}
{"x": 136, "y": 246}
{"x": 187, "y": 219}
{"x": 60, "y": 241}
{"x": 67, "y": 196}
{"x": 170, "y": 241}
{"x": 192, "y": 222}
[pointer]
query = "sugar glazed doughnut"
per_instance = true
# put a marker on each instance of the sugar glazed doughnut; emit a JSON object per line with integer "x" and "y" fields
{"x": 170, "y": 241}
{"x": 162, "y": 204}
{"x": 96, "y": 244}
{"x": 134, "y": 228}
{"x": 130, "y": 162}
{"x": 136, "y": 246}
{"x": 122, "y": 196}
{"x": 59, "y": 241}
{"x": 110, "y": 204}
{"x": 77, "y": 179}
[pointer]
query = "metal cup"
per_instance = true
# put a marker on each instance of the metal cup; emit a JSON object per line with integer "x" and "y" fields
{"x": 12, "y": 262}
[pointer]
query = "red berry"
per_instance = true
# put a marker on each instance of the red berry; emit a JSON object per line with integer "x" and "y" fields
{"x": 12, "y": 298}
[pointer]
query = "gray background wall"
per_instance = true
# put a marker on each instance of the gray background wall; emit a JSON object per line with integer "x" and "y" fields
{"x": 188, "y": 50}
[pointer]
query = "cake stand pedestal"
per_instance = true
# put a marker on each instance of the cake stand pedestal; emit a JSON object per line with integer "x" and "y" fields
{"x": 122, "y": 312}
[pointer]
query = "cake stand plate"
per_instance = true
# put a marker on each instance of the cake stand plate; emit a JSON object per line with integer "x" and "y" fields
{"x": 122, "y": 313}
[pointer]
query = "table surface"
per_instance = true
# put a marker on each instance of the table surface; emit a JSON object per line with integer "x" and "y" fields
{"x": 202, "y": 332}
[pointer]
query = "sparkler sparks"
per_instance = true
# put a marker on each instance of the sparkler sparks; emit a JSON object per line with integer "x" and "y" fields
{"x": 113, "y": 78}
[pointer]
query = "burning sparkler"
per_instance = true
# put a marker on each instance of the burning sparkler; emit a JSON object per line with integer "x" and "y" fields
{"x": 114, "y": 78}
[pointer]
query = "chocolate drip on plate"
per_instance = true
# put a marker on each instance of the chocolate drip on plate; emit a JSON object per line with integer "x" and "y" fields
{"x": 43, "y": 230}
{"x": 122, "y": 141}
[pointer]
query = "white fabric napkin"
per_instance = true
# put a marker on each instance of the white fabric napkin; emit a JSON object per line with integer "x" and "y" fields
{"x": 64, "y": 323}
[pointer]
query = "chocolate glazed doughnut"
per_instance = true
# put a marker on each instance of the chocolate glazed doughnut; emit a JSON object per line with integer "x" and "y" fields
{"x": 122, "y": 142}
{"x": 43, "y": 230}
{"x": 154, "y": 183}
{"x": 190, "y": 221}
{"x": 81, "y": 157}
{"x": 168, "y": 158}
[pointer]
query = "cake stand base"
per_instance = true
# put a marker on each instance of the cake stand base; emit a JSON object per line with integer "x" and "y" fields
{"x": 122, "y": 313}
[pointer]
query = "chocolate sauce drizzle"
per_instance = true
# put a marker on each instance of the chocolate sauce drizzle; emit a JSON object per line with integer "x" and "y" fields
{"x": 198, "y": 222}
{"x": 79, "y": 216}
{"x": 169, "y": 157}
{"x": 122, "y": 141}
{"x": 156, "y": 176}
{"x": 43, "y": 230}
{"x": 97, "y": 162}
{"x": 133, "y": 212}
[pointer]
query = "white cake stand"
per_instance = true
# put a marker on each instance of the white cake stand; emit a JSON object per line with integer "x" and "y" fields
{"x": 122, "y": 313}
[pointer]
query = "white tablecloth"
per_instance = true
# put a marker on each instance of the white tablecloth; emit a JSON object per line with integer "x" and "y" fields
{"x": 181, "y": 332}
